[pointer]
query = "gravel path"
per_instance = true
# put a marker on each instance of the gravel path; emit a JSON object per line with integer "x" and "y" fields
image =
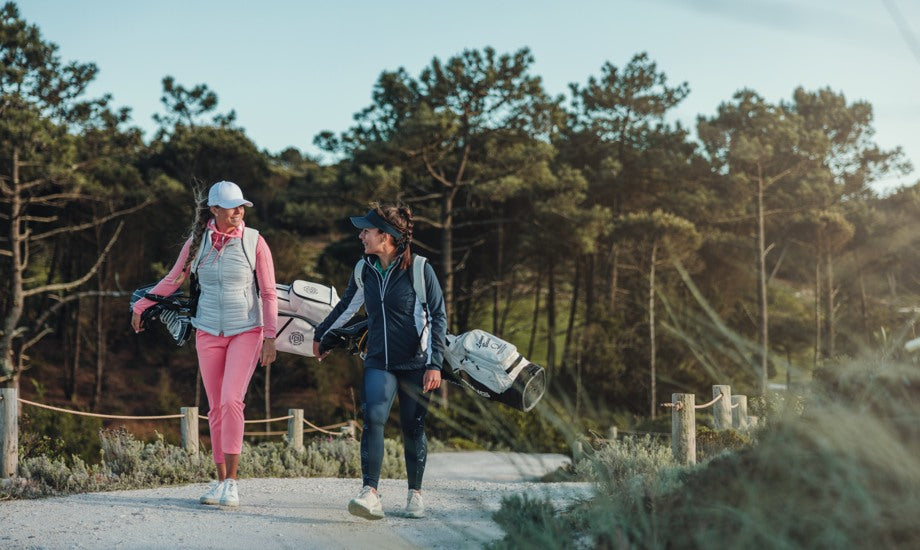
{"x": 461, "y": 490}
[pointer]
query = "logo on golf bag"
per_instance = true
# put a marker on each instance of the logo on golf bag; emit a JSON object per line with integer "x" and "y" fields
{"x": 296, "y": 338}
{"x": 486, "y": 341}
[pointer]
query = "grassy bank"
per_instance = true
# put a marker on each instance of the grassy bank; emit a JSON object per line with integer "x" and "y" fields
{"x": 838, "y": 469}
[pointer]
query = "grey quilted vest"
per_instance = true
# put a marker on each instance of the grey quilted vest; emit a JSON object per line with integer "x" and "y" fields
{"x": 229, "y": 303}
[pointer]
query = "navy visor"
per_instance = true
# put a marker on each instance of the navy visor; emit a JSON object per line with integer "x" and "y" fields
{"x": 372, "y": 220}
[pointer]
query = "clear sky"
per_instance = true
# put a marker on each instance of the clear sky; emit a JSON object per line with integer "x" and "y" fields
{"x": 293, "y": 69}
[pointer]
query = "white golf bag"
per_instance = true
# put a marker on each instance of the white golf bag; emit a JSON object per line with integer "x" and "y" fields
{"x": 494, "y": 369}
{"x": 302, "y": 305}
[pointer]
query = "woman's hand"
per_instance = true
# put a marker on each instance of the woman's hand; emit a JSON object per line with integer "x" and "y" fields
{"x": 431, "y": 380}
{"x": 319, "y": 356}
{"x": 136, "y": 322}
{"x": 268, "y": 352}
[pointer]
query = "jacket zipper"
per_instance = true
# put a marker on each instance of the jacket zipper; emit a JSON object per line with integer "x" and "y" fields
{"x": 383, "y": 311}
{"x": 220, "y": 291}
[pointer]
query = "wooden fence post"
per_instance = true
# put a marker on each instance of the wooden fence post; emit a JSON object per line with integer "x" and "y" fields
{"x": 722, "y": 409}
{"x": 683, "y": 428}
{"x": 190, "y": 431}
{"x": 9, "y": 432}
{"x": 612, "y": 433}
{"x": 739, "y": 412}
{"x": 295, "y": 429}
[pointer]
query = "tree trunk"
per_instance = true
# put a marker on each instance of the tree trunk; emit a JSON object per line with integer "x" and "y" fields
{"x": 651, "y": 328}
{"x": 72, "y": 335}
{"x": 509, "y": 296}
{"x": 817, "y": 354}
{"x": 614, "y": 278}
{"x": 447, "y": 267}
{"x": 829, "y": 304}
{"x": 536, "y": 313}
{"x": 588, "y": 275}
{"x": 100, "y": 326}
{"x": 497, "y": 284}
{"x": 762, "y": 285}
{"x": 570, "y": 328}
{"x": 100, "y": 352}
{"x": 550, "y": 317}
{"x": 567, "y": 361}
{"x": 9, "y": 359}
{"x": 447, "y": 253}
{"x": 863, "y": 299}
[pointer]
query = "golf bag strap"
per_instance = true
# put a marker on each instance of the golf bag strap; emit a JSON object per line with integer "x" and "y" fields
{"x": 418, "y": 277}
{"x": 359, "y": 274}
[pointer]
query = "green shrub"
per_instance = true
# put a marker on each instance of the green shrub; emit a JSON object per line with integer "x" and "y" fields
{"x": 710, "y": 442}
{"x": 43, "y": 432}
{"x": 531, "y": 523}
{"x": 620, "y": 462}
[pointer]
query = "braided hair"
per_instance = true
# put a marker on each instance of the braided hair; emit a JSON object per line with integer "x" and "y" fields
{"x": 400, "y": 217}
{"x": 196, "y": 229}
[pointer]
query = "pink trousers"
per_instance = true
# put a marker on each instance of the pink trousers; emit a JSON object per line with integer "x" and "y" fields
{"x": 227, "y": 364}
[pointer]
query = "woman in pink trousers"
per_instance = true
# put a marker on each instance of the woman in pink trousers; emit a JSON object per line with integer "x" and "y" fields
{"x": 234, "y": 320}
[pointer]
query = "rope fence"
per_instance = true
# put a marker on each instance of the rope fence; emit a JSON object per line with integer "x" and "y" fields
{"x": 311, "y": 429}
{"x": 728, "y": 411}
{"x": 261, "y": 421}
{"x": 97, "y": 415}
{"x": 190, "y": 419}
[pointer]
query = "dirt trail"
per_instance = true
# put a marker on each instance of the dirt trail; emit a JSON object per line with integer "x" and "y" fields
{"x": 461, "y": 490}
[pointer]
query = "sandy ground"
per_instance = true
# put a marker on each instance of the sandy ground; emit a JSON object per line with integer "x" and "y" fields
{"x": 461, "y": 491}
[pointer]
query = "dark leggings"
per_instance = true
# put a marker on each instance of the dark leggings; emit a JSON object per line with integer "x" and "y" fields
{"x": 380, "y": 387}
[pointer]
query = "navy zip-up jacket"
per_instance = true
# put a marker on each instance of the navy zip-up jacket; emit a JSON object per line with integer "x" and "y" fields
{"x": 401, "y": 333}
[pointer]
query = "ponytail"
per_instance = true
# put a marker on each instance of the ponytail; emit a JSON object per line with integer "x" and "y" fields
{"x": 196, "y": 229}
{"x": 405, "y": 242}
{"x": 400, "y": 217}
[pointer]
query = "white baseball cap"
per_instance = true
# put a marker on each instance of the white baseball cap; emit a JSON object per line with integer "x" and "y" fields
{"x": 226, "y": 194}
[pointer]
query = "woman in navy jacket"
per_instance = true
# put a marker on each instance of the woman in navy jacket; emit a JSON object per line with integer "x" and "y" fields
{"x": 405, "y": 349}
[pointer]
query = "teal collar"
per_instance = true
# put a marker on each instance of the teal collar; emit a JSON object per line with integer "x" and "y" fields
{"x": 380, "y": 267}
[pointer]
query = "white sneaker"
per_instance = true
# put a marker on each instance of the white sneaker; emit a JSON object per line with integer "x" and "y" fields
{"x": 213, "y": 494}
{"x": 366, "y": 505}
{"x": 230, "y": 496}
{"x": 415, "y": 506}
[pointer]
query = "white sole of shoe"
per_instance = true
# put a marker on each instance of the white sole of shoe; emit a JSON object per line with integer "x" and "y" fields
{"x": 211, "y": 501}
{"x": 356, "y": 509}
{"x": 415, "y": 515}
{"x": 230, "y": 504}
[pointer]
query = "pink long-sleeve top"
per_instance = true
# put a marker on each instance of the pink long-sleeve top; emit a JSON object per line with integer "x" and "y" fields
{"x": 265, "y": 273}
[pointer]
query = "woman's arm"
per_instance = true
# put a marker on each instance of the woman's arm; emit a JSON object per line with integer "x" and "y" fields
{"x": 265, "y": 273}
{"x": 265, "y": 276}
{"x": 347, "y": 307}
{"x": 438, "y": 317}
{"x": 168, "y": 284}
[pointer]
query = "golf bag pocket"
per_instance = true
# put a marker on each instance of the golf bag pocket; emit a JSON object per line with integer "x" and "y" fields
{"x": 295, "y": 335}
{"x": 302, "y": 305}
{"x": 311, "y": 300}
